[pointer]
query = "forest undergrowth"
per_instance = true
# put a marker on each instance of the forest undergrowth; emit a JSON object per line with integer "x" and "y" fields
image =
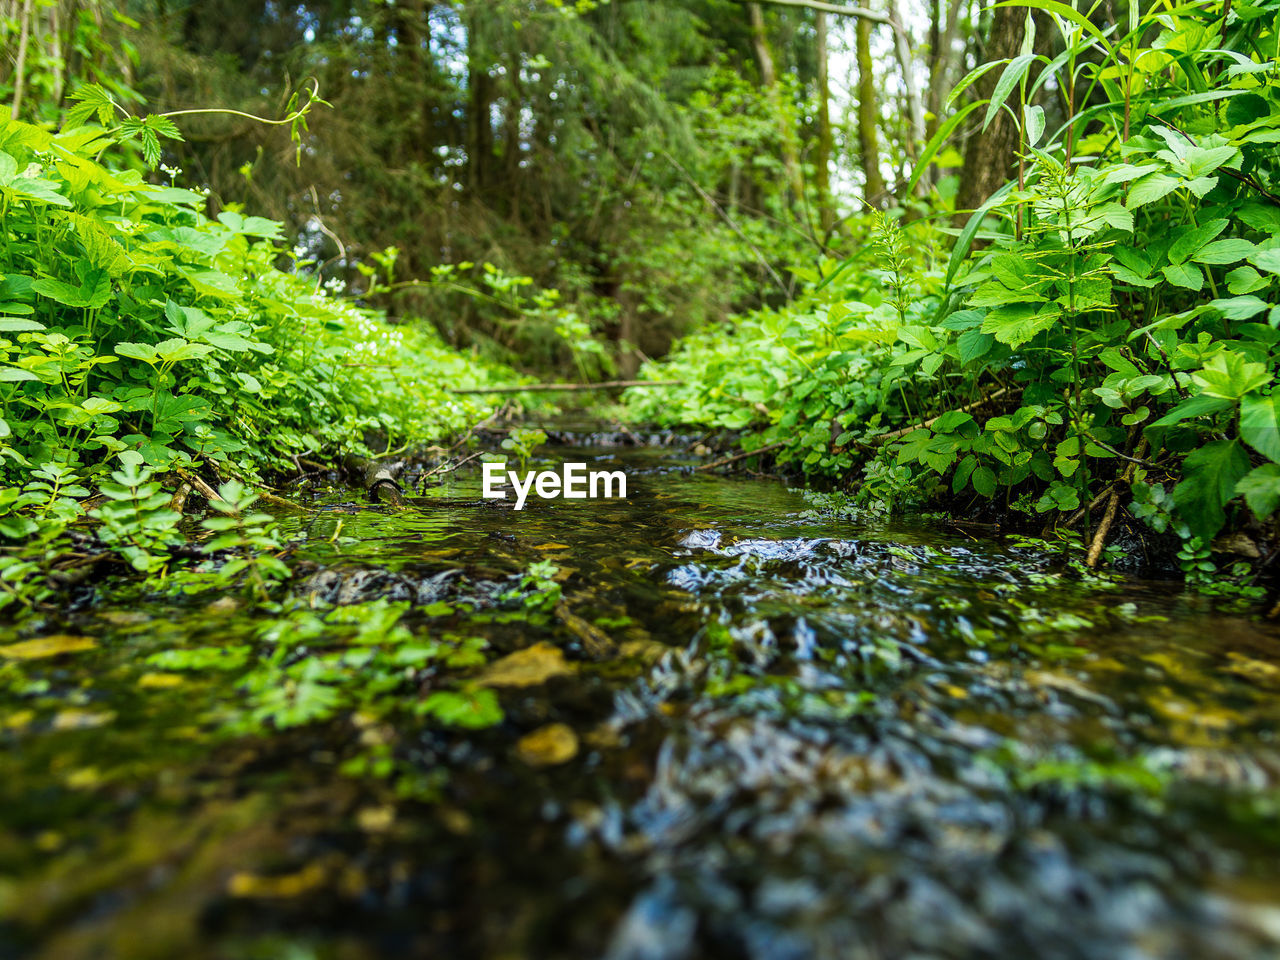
{"x": 156, "y": 359}
{"x": 1096, "y": 348}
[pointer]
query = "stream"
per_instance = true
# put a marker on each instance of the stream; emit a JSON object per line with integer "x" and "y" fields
{"x": 717, "y": 719}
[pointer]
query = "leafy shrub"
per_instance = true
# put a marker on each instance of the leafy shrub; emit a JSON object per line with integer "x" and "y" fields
{"x": 1119, "y": 325}
{"x": 139, "y": 336}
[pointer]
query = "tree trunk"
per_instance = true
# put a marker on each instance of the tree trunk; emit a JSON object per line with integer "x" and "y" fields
{"x": 989, "y": 155}
{"x": 769, "y": 80}
{"x": 826, "y": 141}
{"x": 511, "y": 151}
{"x": 479, "y": 107}
{"x": 941, "y": 63}
{"x": 915, "y": 107}
{"x": 20, "y": 68}
{"x": 873, "y": 190}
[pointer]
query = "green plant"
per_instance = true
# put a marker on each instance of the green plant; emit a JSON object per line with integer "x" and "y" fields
{"x": 538, "y": 591}
{"x": 250, "y": 535}
{"x": 522, "y": 442}
{"x": 136, "y": 519}
{"x": 139, "y": 336}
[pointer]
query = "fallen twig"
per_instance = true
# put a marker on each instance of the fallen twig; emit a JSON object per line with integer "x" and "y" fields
{"x": 1072, "y": 520}
{"x": 981, "y": 401}
{"x": 378, "y": 479}
{"x": 1100, "y": 538}
{"x": 451, "y": 466}
{"x": 278, "y": 501}
{"x": 179, "y": 501}
{"x": 211, "y": 494}
{"x": 595, "y": 640}
{"x": 725, "y": 461}
{"x": 206, "y": 491}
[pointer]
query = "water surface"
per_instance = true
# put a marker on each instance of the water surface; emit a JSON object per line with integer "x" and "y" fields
{"x": 783, "y": 733}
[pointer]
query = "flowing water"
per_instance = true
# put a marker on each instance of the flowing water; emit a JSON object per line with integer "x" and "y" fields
{"x": 749, "y": 728}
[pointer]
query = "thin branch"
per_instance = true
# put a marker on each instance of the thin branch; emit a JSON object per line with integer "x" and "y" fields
{"x": 725, "y": 461}
{"x": 206, "y": 491}
{"x": 551, "y": 387}
{"x": 448, "y": 467}
{"x": 981, "y": 401}
{"x": 315, "y": 200}
{"x": 837, "y": 9}
{"x": 729, "y": 220}
{"x": 1100, "y": 538}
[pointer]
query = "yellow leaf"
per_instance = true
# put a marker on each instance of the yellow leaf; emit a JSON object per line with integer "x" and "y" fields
{"x": 376, "y": 819}
{"x": 1251, "y": 668}
{"x": 528, "y": 667}
{"x": 85, "y": 778}
{"x": 47, "y": 647}
{"x": 16, "y": 721}
{"x": 159, "y": 681}
{"x": 277, "y": 888}
{"x": 646, "y": 651}
{"x": 548, "y": 746}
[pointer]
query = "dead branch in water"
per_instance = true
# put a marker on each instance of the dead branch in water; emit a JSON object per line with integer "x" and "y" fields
{"x": 725, "y": 461}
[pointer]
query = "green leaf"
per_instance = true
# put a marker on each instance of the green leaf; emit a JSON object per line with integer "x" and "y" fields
{"x": 1134, "y": 260}
{"x": 1260, "y": 424}
{"x": 1239, "y": 308}
{"x": 1224, "y": 251}
{"x": 1245, "y": 279}
{"x": 19, "y": 325}
{"x": 1125, "y": 172}
{"x": 973, "y": 345}
{"x": 1201, "y": 185}
{"x": 1204, "y": 160}
{"x": 92, "y": 294}
{"x": 963, "y": 471}
{"x": 1261, "y": 490}
{"x": 1033, "y": 122}
{"x": 1149, "y": 189}
{"x": 1268, "y": 260}
{"x": 1014, "y": 72}
{"x": 972, "y": 77}
{"x": 1229, "y": 375}
{"x": 176, "y": 349}
{"x": 1190, "y": 409}
{"x": 15, "y": 374}
{"x": 996, "y": 294}
{"x": 984, "y": 481}
{"x": 472, "y": 710}
{"x": 1189, "y": 241}
{"x": 1017, "y": 324}
{"x": 225, "y": 340}
{"x": 1210, "y": 475}
{"x": 1184, "y": 275}
{"x": 93, "y": 100}
{"x": 212, "y": 283}
{"x": 175, "y": 195}
{"x": 137, "y": 351}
